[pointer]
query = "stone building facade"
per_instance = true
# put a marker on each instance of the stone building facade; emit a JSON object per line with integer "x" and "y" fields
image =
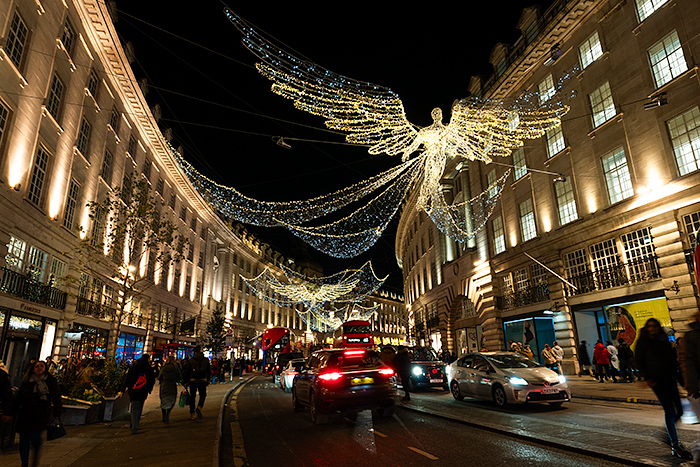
{"x": 595, "y": 228}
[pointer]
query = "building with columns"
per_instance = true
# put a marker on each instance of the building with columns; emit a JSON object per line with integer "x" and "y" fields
{"x": 594, "y": 231}
{"x": 73, "y": 122}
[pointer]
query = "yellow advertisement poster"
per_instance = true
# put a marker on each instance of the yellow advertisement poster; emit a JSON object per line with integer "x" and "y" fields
{"x": 626, "y": 319}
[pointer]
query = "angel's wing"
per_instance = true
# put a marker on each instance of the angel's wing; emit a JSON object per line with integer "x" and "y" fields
{"x": 372, "y": 115}
{"x": 481, "y": 129}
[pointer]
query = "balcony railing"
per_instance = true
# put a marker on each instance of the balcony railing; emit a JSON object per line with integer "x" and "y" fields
{"x": 638, "y": 270}
{"x": 96, "y": 310}
{"x": 23, "y": 286}
{"x": 526, "y": 296}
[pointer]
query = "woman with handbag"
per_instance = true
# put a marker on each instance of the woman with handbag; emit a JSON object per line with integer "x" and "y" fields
{"x": 38, "y": 403}
{"x": 169, "y": 376}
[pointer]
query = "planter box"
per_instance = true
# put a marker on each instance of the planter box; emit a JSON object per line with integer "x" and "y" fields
{"x": 81, "y": 414}
{"x": 115, "y": 408}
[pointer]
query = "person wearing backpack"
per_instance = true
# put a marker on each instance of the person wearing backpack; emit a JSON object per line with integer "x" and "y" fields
{"x": 138, "y": 383}
{"x": 197, "y": 376}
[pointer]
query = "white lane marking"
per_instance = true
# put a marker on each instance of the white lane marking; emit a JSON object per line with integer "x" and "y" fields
{"x": 423, "y": 453}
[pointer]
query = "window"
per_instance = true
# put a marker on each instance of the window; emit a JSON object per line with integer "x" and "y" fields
{"x": 106, "y": 172}
{"x": 67, "y": 37}
{"x": 14, "y": 260}
{"x": 131, "y": 148}
{"x": 531, "y": 32}
{"x": 147, "y": 169}
{"x": 193, "y": 224}
{"x": 519, "y": 164}
{"x": 71, "y": 203}
{"x": 172, "y": 200}
{"x": 36, "y": 264}
{"x": 685, "y": 138}
{"x": 692, "y": 225}
{"x": 183, "y": 214}
{"x": 499, "y": 235}
{"x": 507, "y": 284}
{"x": 83, "y": 137}
{"x": 538, "y": 275}
{"x": 36, "y": 184}
{"x": 667, "y": 60}
{"x": 646, "y": 7}
{"x": 638, "y": 244}
{"x": 546, "y": 89}
{"x": 575, "y": 263}
{"x": 501, "y": 67}
{"x": 602, "y": 105}
{"x": 57, "y": 272}
{"x": 590, "y": 50}
{"x": 92, "y": 83}
{"x": 16, "y": 40}
{"x": 114, "y": 119}
{"x": 617, "y": 176}
{"x": 491, "y": 180}
{"x": 555, "y": 141}
{"x": 566, "y": 201}
{"x": 521, "y": 280}
{"x": 604, "y": 254}
{"x": 527, "y": 220}
{"x": 200, "y": 262}
{"x": 159, "y": 186}
{"x": 97, "y": 225}
{"x": 53, "y": 105}
{"x": 4, "y": 116}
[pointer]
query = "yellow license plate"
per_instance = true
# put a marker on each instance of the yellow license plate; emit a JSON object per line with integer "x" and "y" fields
{"x": 356, "y": 381}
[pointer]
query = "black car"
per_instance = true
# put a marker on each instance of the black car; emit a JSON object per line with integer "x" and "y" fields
{"x": 427, "y": 370}
{"x": 344, "y": 380}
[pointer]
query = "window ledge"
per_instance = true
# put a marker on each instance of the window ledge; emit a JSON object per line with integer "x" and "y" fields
{"x": 45, "y": 112}
{"x": 77, "y": 151}
{"x": 527, "y": 176}
{"x": 60, "y": 45}
{"x": 94, "y": 101}
{"x": 5, "y": 58}
{"x": 605, "y": 56}
{"x": 116, "y": 137}
{"x": 664, "y": 87}
{"x": 566, "y": 150}
{"x": 638, "y": 27}
{"x": 614, "y": 119}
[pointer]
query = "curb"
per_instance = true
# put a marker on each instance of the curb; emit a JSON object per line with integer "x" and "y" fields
{"x": 220, "y": 423}
{"x": 631, "y": 400}
{"x": 542, "y": 440}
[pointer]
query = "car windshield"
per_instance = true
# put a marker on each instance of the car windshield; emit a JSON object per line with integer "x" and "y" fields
{"x": 423, "y": 354}
{"x": 512, "y": 361}
{"x": 354, "y": 359}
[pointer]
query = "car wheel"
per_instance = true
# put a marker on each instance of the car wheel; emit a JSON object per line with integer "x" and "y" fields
{"x": 295, "y": 401}
{"x": 316, "y": 417}
{"x": 556, "y": 404}
{"x": 387, "y": 411}
{"x": 499, "y": 396}
{"x": 456, "y": 393}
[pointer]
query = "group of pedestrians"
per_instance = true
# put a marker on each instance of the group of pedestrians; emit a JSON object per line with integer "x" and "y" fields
{"x": 609, "y": 362}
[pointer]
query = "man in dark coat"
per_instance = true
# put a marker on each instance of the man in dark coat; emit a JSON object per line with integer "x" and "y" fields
{"x": 402, "y": 364}
{"x": 196, "y": 376}
{"x": 139, "y": 383}
{"x": 5, "y": 395}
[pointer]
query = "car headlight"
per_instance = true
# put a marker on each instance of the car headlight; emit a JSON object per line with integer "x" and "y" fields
{"x": 517, "y": 381}
{"x": 417, "y": 370}
{"x": 562, "y": 379}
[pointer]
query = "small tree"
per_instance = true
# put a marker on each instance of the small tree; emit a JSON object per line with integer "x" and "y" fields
{"x": 128, "y": 236}
{"x": 216, "y": 334}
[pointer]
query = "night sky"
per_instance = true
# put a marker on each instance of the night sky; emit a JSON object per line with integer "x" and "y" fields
{"x": 224, "y": 116}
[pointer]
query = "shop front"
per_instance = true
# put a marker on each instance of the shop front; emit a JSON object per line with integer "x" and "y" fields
{"x": 85, "y": 341}
{"x": 24, "y": 337}
{"x": 469, "y": 340}
{"x": 535, "y": 332}
{"x": 130, "y": 346}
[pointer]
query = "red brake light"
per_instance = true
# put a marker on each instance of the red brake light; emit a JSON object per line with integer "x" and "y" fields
{"x": 386, "y": 371}
{"x": 353, "y": 353}
{"x": 291, "y": 373}
{"x": 334, "y": 376}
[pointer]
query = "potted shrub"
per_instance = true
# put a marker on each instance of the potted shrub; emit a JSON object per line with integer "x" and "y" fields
{"x": 107, "y": 381}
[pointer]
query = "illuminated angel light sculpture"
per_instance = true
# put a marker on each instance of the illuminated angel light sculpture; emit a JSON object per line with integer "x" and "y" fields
{"x": 316, "y": 294}
{"x": 374, "y": 116}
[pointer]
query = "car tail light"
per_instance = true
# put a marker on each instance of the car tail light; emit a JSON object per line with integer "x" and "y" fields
{"x": 333, "y": 376}
{"x": 386, "y": 371}
{"x": 291, "y": 373}
{"x": 354, "y": 353}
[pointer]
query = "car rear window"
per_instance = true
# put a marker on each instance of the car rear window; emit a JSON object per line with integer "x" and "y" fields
{"x": 366, "y": 359}
{"x": 425, "y": 355}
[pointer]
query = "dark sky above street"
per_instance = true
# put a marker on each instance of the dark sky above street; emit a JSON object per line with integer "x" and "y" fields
{"x": 223, "y": 114}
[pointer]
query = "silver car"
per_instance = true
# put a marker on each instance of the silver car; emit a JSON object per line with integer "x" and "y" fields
{"x": 506, "y": 378}
{"x": 289, "y": 372}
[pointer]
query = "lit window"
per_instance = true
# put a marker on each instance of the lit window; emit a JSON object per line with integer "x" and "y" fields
{"x": 546, "y": 89}
{"x": 667, "y": 60}
{"x": 590, "y": 50}
{"x": 106, "y": 172}
{"x": 131, "y": 148}
{"x": 16, "y": 40}
{"x": 685, "y": 138}
{"x": 36, "y": 263}
{"x": 555, "y": 141}
{"x": 83, "y": 137}
{"x": 527, "y": 220}
{"x": 499, "y": 235}
{"x": 519, "y": 164}
{"x": 93, "y": 81}
{"x": 53, "y": 104}
{"x": 114, "y": 120}
{"x": 67, "y": 37}
{"x": 501, "y": 67}
{"x": 602, "y": 105}
{"x": 14, "y": 260}
{"x": 646, "y": 7}
{"x": 491, "y": 180}
{"x": 36, "y": 184}
{"x": 604, "y": 254}
{"x": 617, "y": 176}
{"x": 71, "y": 203}
{"x": 4, "y": 116}
{"x": 575, "y": 263}
{"x": 566, "y": 201}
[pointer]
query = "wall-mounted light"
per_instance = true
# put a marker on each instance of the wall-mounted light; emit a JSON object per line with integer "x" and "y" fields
{"x": 655, "y": 101}
{"x": 554, "y": 54}
{"x": 560, "y": 178}
{"x": 17, "y": 187}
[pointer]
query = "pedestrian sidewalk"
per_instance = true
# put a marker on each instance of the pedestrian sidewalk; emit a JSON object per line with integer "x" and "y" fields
{"x": 587, "y": 387}
{"x": 182, "y": 442}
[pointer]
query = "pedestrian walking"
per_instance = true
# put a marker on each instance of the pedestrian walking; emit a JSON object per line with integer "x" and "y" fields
{"x": 559, "y": 356}
{"x": 657, "y": 363}
{"x": 139, "y": 382}
{"x": 625, "y": 355}
{"x": 402, "y": 363}
{"x": 548, "y": 357}
{"x": 583, "y": 359}
{"x": 5, "y": 395}
{"x": 387, "y": 355}
{"x": 527, "y": 351}
{"x": 601, "y": 359}
{"x": 197, "y": 376}
{"x": 38, "y": 404}
{"x": 614, "y": 367}
{"x": 168, "y": 377}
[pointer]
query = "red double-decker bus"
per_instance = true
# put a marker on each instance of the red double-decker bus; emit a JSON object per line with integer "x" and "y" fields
{"x": 354, "y": 333}
{"x": 275, "y": 341}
